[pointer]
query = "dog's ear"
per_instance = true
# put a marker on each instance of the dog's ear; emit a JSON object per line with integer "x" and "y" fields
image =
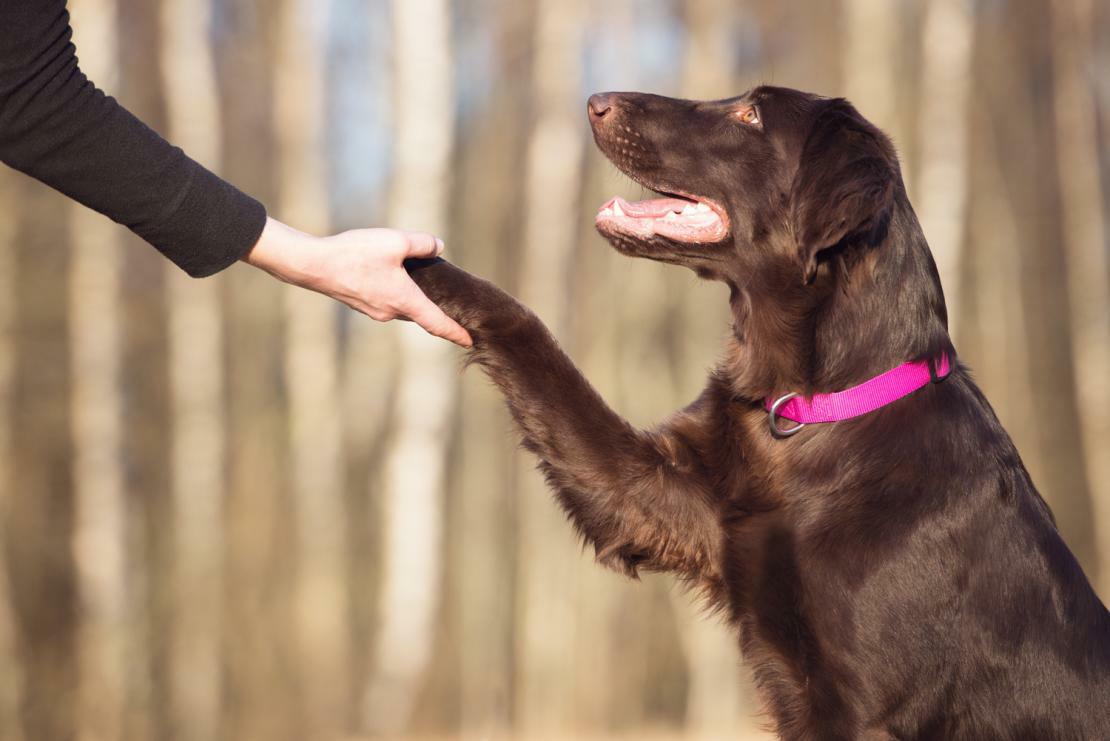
{"x": 845, "y": 183}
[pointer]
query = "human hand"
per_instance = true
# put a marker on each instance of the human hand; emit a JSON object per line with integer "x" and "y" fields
{"x": 361, "y": 268}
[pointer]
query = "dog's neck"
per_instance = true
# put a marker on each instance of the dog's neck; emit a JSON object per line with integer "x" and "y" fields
{"x": 875, "y": 303}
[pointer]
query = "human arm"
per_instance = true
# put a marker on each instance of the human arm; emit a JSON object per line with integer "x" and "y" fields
{"x": 57, "y": 127}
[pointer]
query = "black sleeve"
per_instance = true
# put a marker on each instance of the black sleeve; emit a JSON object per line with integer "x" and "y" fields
{"x": 56, "y": 126}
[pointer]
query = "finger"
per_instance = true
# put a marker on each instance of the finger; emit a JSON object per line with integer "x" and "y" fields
{"x": 420, "y": 309}
{"x": 422, "y": 244}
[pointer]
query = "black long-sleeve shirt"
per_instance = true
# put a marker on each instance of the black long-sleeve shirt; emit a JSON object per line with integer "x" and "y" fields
{"x": 56, "y": 126}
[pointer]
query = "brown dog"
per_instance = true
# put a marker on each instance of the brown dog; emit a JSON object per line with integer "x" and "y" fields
{"x": 891, "y": 576}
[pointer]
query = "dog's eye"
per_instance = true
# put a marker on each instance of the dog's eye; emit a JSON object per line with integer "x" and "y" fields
{"x": 748, "y": 115}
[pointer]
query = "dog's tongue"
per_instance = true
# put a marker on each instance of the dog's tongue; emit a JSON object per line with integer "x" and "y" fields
{"x": 652, "y": 208}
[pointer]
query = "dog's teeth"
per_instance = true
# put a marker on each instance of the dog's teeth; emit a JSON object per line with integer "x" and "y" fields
{"x": 701, "y": 208}
{"x": 617, "y": 210}
{"x": 671, "y": 216}
{"x": 688, "y": 209}
{"x": 606, "y": 212}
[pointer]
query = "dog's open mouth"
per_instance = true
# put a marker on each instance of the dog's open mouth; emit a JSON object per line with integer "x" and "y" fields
{"x": 673, "y": 217}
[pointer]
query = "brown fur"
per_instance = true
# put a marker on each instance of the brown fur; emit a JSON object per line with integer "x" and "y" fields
{"x": 895, "y": 576}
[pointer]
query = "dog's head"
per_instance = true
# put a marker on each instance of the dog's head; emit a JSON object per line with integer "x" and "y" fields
{"x": 773, "y": 175}
{"x": 797, "y": 203}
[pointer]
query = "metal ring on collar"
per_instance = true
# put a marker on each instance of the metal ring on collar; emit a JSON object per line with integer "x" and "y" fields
{"x": 773, "y": 417}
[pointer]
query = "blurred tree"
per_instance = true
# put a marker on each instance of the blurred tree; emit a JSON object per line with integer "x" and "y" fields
{"x": 551, "y": 179}
{"x": 994, "y": 339}
{"x": 1018, "y": 51}
{"x": 786, "y": 51}
{"x": 11, "y": 670}
{"x": 259, "y": 644}
{"x": 487, "y": 223}
{"x": 312, "y": 378}
{"x": 415, "y": 464}
{"x": 358, "y": 107}
{"x": 941, "y": 194}
{"x": 1086, "y": 255}
{"x": 198, "y": 389}
{"x": 100, "y": 538}
{"x": 872, "y": 38}
{"x": 39, "y": 522}
{"x": 147, "y": 416}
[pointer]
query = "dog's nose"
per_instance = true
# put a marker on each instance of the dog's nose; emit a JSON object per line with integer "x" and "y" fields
{"x": 600, "y": 105}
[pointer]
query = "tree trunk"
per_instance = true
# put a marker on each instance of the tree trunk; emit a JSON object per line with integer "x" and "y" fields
{"x": 413, "y": 488}
{"x": 147, "y": 423}
{"x": 872, "y": 42}
{"x": 1086, "y": 252}
{"x": 197, "y": 388}
{"x": 358, "y": 120}
{"x": 487, "y": 230}
{"x": 942, "y": 191}
{"x": 996, "y": 344}
{"x": 39, "y": 515}
{"x": 1020, "y": 49}
{"x": 259, "y": 659}
{"x": 11, "y": 676}
{"x": 100, "y": 540}
{"x": 552, "y": 179}
{"x": 311, "y": 364}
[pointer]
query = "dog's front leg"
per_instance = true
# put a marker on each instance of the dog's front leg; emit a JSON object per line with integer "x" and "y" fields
{"x": 640, "y": 497}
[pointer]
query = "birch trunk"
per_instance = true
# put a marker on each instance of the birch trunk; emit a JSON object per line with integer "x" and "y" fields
{"x": 197, "y": 388}
{"x": 547, "y": 624}
{"x": 1086, "y": 252}
{"x": 311, "y": 365}
{"x": 100, "y": 538}
{"x": 942, "y": 191}
{"x": 413, "y": 486}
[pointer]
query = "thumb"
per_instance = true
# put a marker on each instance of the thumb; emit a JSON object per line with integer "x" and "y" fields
{"x": 422, "y": 244}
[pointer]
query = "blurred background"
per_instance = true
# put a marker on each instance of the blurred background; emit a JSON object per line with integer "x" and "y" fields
{"x": 232, "y": 510}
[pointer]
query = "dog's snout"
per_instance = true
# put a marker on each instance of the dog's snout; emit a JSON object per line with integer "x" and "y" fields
{"x": 600, "y": 105}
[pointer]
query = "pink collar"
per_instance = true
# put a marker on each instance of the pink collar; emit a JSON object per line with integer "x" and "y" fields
{"x": 856, "y": 401}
